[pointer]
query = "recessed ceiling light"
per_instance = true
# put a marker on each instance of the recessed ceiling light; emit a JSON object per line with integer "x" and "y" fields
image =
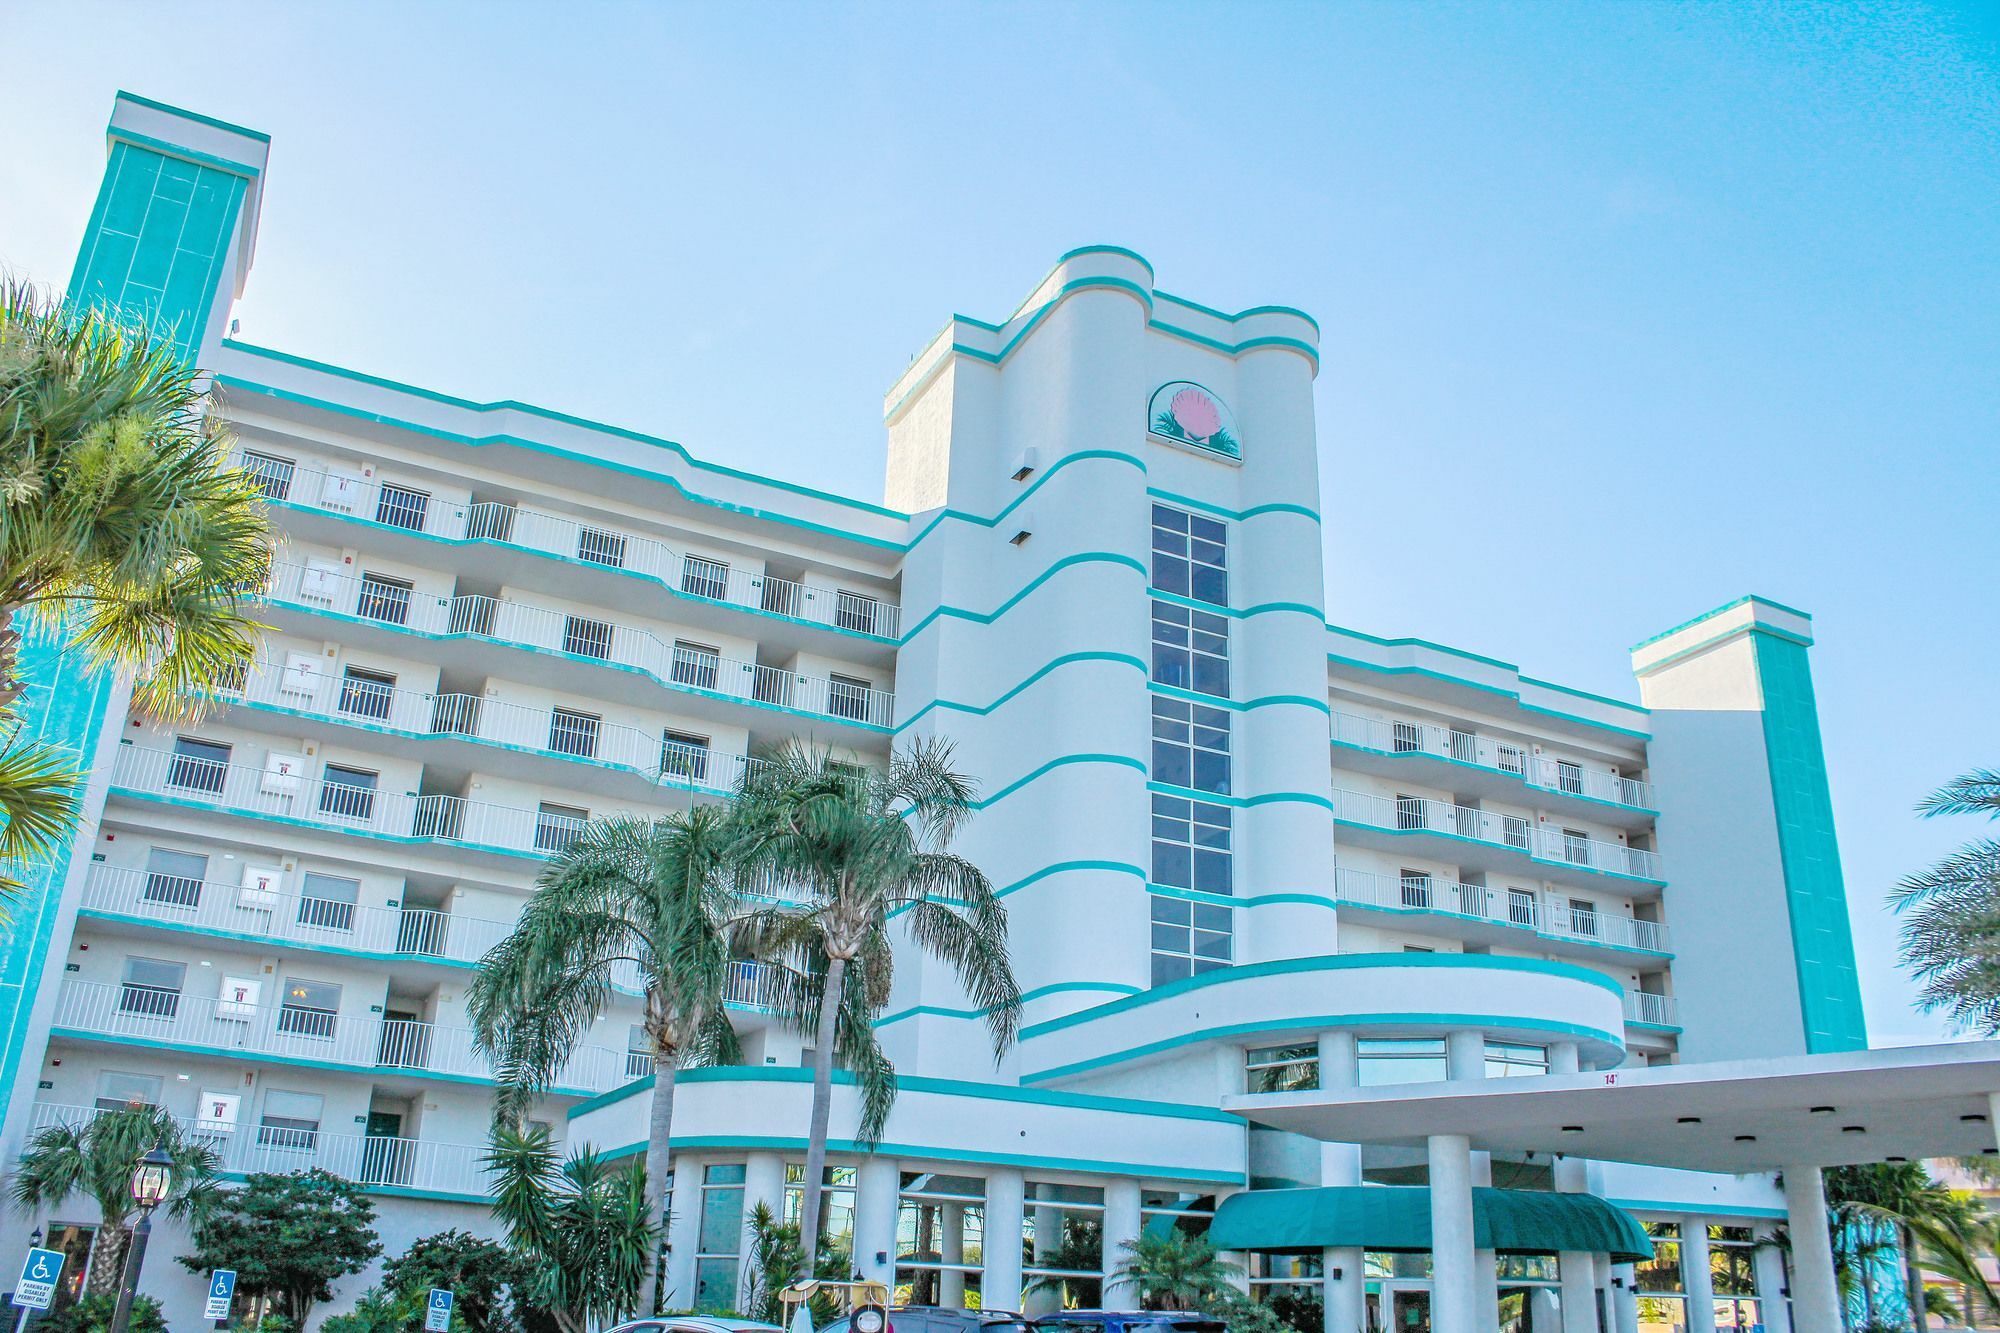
{"x": 1689, "y": 1120}
{"x": 1746, "y": 1138}
{"x": 1854, "y": 1129}
{"x": 1822, "y": 1110}
{"x": 1974, "y": 1119}
{"x": 1896, "y": 1159}
{"x": 1572, "y": 1129}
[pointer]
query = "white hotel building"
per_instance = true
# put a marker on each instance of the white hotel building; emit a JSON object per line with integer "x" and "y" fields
{"x": 1242, "y": 849}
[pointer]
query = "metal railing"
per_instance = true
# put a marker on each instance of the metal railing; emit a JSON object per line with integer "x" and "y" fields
{"x": 1403, "y": 736}
{"x": 1543, "y": 914}
{"x": 520, "y": 624}
{"x": 296, "y": 1032}
{"x": 1550, "y": 846}
{"x": 1646, "y": 1007}
{"x": 275, "y": 790}
{"x": 368, "y": 1160}
{"x": 300, "y": 685}
{"x": 699, "y": 577}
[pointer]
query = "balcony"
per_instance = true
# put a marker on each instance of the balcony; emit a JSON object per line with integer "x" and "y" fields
{"x": 1488, "y": 839}
{"x": 367, "y": 1160}
{"x": 522, "y": 625}
{"x": 1510, "y": 765}
{"x": 300, "y": 686}
{"x": 1512, "y": 908}
{"x": 350, "y": 495}
{"x": 278, "y": 791}
{"x": 1659, "y": 1011}
{"x": 211, "y": 1024}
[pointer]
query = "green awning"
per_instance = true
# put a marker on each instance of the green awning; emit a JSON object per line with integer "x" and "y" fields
{"x": 1398, "y": 1217}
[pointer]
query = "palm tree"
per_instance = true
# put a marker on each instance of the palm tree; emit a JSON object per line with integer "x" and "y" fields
{"x": 122, "y": 522}
{"x": 97, "y": 1158}
{"x": 856, "y": 847}
{"x": 584, "y": 1227}
{"x": 1929, "y": 1221}
{"x": 1951, "y": 938}
{"x": 1173, "y": 1270}
{"x": 627, "y": 901}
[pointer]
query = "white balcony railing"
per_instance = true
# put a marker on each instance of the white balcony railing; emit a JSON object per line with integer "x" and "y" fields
{"x": 278, "y": 789}
{"x": 417, "y": 1164}
{"x": 520, "y": 624}
{"x": 292, "y": 1032}
{"x": 1543, "y": 914}
{"x": 301, "y": 685}
{"x": 1551, "y": 846}
{"x": 1402, "y": 736}
{"x": 1646, "y": 1007}
{"x": 699, "y": 577}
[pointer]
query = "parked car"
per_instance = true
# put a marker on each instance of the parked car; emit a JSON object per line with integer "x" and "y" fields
{"x": 695, "y": 1323}
{"x": 940, "y": 1319}
{"x": 1129, "y": 1321}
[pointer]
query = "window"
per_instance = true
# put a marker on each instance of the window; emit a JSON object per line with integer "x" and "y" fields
{"x": 571, "y": 732}
{"x": 638, "y": 1057}
{"x": 1583, "y": 916}
{"x": 718, "y": 1236}
{"x": 695, "y": 664}
{"x": 309, "y": 1008}
{"x": 940, "y": 1222}
{"x": 849, "y": 697}
{"x": 684, "y": 755}
{"x": 1290, "y": 1282}
{"x": 1409, "y": 811}
{"x": 601, "y": 547}
{"x": 1384, "y": 1060}
{"x": 347, "y": 793}
{"x": 173, "y": 879}
{"x": 152, "y": 987}
{"x": 116, "y": 1091}
{"x": 367, "y": 693}
{"x": 290, "y": 1121}
{"x": 1190, "y": 556}
{"x": 1416, "y": 886}
{"x": 269, "y": 473}
{"x": 836, "y": 1202}
{"x": 1282, "y": 1068}
{"x": 1190, "y": 745}
{"x": 1189, "y": 938}
{"x": 384, "y": 599}
{"x": 326, "y": 902}
{"x": 1576, "y": 846}
{"x": 1521, "y": 907}
{"x": 1512, "y": 1060}
{"x": 556, "y": 826}
{"x": 1510, "y": 758}
{"x": 1569, "y": 777}
{"x": 1191, "y": 844}
{"x": 198, "y": 765}
{"x": 1190, "y": 649}
{"x": 1405, "y": 737}
{"x": 586, "y": 638}
{"x": 859, "y": 612}
{"x": 702, "y": 577}
{"x": 401, "y": 507}
{"x": 1064, "y": 1239}
{"x": 1464, "y": 746}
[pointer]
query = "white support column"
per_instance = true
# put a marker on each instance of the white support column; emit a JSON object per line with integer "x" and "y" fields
{"x": 951, "y": 1250}
{"x": 1625, "y": 1302}
{"x": 1339, "y": 1065}
{"x": 1345, "y": 1297}
{"x": 1563, "y": 1058}
{"x": 1465, "y": 1062}
{"x": 1769, "y": 1264}
{"x": 1000, "y": 1288}
{"x": 1577, "y": 1268}
{"x": 1121, "y": 1226}
{"x": 1454, "y": 1284}
{"x": 878, "y": 1187}
{"x": 1697, "y": 1280}
{"x": 1815, "y": 1299}
{"x": 763, "y": 1182}
{"x": 1465, "y": 1055}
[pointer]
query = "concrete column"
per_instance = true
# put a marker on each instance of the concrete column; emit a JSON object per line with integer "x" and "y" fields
{"x": 1698, "y": 1281}
{"x": 951, "y": 1250}
{"x": 1465, "y": 1055}
{"x": 1578, "y": 1268}
{"x": 878, "y": 1187}
{"x": 1770, "y": 1268}
{"x": 1345, "y": 1297}
{"x": 683, "y": 1234}
{"x": 1465, "y": 1061}
{"x": 1625, "y": 1301}
{"x": 1563, "y": 1058}
{"x": 1121, "y": 1226}
{"x": 1454, "y": 1283}
{"x": 1339, "y": 1066}
{"x": 1000, "y": 1288}
{"x": 1815, "y": 1300}
{"x": 763, "y": 1182}
{"x": 1047, "y": 1299}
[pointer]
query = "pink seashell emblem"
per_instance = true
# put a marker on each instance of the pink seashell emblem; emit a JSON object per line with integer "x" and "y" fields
{"x": 1195, "y": 412}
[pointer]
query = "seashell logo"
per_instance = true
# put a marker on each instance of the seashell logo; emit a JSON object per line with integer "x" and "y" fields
{"x": 1185, "y": 412}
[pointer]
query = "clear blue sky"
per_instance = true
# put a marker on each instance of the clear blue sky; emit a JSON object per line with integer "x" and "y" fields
{"x": 1629, "y": 309}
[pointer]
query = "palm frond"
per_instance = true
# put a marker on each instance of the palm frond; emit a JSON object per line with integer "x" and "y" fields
{"x": 1973, "y": 793}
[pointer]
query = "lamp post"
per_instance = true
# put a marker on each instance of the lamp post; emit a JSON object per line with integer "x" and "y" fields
{"x": 152, "y": 1179}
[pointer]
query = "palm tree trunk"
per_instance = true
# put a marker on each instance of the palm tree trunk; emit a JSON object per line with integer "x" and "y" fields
{"x": 10, "y": 653}
{"x": 107, "y": 1259}
{"x": 1913, "y": 1278}
{"x": 822, "y": 1112}
{"x": 666, "y": 1064}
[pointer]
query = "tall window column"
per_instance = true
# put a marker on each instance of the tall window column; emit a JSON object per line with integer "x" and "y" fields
{"x": 1815, "y": 1298}
{"x": 1577, "y": 1268}
{"x": 1346, "y": 1296}
{"x": 1699, "y": 1278}
{"x": 1121, "y": 1227}
{"x": 1000, "y": 1286}
{"x": 1465, "y": 1061}
{"x": 877, "y": 1196}
{"x": 1453, "y": 1281}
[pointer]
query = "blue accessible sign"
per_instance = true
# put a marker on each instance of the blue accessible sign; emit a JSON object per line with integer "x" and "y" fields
{"x": 437, "y": 1315}
{"x": 221, "y": 1288}
{"x": 39, "y": 1272}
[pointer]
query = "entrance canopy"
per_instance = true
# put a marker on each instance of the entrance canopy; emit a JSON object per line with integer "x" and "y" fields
{"x": 1733, "y": 1117}
{"x": 1398, "y": 1217}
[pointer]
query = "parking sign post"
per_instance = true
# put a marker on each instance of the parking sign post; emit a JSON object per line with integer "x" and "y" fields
{"x": 37, "y": 1285}
{"x": 437, "y": 1314}
{"x": 221, "y": 1290}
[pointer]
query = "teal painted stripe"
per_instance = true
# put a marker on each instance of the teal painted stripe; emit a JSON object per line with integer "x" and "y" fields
{"x": 987, "y": 618}
{"x": 1704, "y": 1208}
{"x": 1757, "y": 628}
{"x": 1428, "y": 756}
{"x": 1328, "y": 963}
{"x": 1421, "y": 833}
{"x": 1238, "y": 515}
{"x": 1240, "y": 705}
{"x": 1064, "y": 761}
{"x": 390, "y": 1191}
{"x": 1027, "y": 997}
{"x": 1026, "y": 1161}
{"x": 1322, "y": 1021}
{"x": 293, "y": 821}
{"x": 1244, "y": 802}
{"x": 1710, "y": 615}
{"x": 195, "y": 116}
{"x": 1058, "y": 868}
{"x": 1123, "y": 659}
{"x": 1047, "y": 474}
{"x": 1651, "y": 1027}
{"x": 1513, "y": 695}
{"x": 1239, "y": 613}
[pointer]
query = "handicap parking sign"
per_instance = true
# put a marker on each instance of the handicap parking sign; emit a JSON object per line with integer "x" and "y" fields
{"x": 39, "y": 1272}
{"x": 221, "y": 1287}
{"x": 437, "y": 1316}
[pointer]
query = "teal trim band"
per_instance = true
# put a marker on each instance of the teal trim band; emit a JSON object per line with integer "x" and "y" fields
{"x": 1048, "y": 474}
{"x": 1027, "y": 997}
{"x": 1122, "y": 659}
{"x": 1237, "y": 515}
{"x": 1058, "y": 868}
{"x": 1322, "y": 1021}
{"x": 1722, "y": 636}
{"x": 293, "y": 821}
{"x": 241, "y": 937}
{"x": 1704, "y": 1208}
{"x": 1652, "y": 1027}
{"x": 1238, "y": 613}
{"x": 167, "y": 148}
{"x": 195, "y": 116}
{"x": 1423, "y": 833}
{"x": 987, "y": 618}
{"x": 1342, "y": 962}
{"x": 1064, "y": 761}
{"x": 1244, "y": 802}
{"x": 1026, "y": 1161}
{"x": 1431, "y": 757}
{"x": 1465, "y": 683}
{"x": 1239, "y": 705}
{"x": 1710, "y": 615}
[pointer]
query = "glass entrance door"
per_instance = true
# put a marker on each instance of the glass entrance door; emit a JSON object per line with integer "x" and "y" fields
{"x": 1395, "y": 1308}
